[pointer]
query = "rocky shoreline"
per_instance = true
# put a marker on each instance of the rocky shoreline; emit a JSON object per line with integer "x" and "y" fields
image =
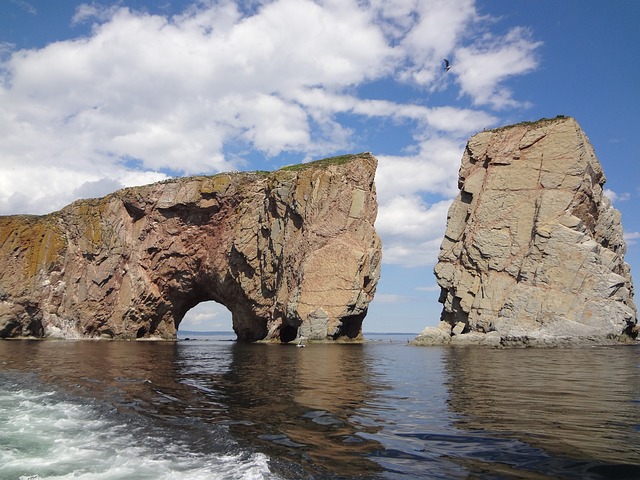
{"x": 436, "y": 336}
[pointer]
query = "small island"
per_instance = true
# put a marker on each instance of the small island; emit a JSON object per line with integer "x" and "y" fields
{"x": 533, "y": 253}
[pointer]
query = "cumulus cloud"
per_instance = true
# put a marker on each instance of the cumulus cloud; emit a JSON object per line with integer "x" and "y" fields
{"x": 436, "y": 30}
{"x": 433, "y": 169}
{"x": 145, "y": 96}
{"x": 412, "y": 230}
{"x": 89, "y": 12}
{"x": 97, "y": 188}
{"x": 482, "y": 68}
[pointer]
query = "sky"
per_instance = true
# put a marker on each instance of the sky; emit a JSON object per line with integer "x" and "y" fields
{"x": 97, "y": 96}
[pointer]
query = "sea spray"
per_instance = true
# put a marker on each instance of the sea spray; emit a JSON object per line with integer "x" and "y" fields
{"x": 45, "y": 434}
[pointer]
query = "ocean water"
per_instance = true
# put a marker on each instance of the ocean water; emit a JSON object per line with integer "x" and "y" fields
{"x": 208, "y": 408}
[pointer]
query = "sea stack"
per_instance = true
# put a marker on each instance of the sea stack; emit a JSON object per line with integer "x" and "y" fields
{"x": 291, "y": 253}
{"x": 533, "y": 253}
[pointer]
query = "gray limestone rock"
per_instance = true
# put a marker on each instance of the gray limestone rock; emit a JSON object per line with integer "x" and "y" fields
{"x": 533, "y": 250}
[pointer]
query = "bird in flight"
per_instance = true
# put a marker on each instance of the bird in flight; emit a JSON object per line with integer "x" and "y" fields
{"x": 447, "y": 65}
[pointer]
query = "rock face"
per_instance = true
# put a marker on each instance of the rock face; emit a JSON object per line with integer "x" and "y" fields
{"x": 533, "y": 252}
{"x": 290, "y": 253}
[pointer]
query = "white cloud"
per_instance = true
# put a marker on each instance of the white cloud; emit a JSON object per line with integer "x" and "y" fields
{"x": 85, "y": 13}
{"x": 411, "y": 230}
{"x": 481, "y": 68}
{"x": 409, "y": 216}
{"x": 459, "y": 121}
{"x": 433, "y": 169}
{"x": 631, "y": 237}
{"x": 438, "y": 27}
{"x": 26, "y": 6}
{"x": 172, "y": 92}
{"x": 44, "y": 188}
{"x": 146, "y": 96}
{"x": 97, "y": 188}
{"x": 390, "y": 298}
{"x": 617, "y": 197}
{"x": 207, "y": 316}
{"x": 429, "y": 288}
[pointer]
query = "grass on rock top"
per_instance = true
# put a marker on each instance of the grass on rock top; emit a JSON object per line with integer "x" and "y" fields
{"x": 538, "y": 122}
{"x": 339, "y": 160}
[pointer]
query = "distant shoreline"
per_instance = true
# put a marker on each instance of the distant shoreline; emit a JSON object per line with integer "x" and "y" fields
{"x": 217, "y": 332}
{"x": 186, "y": 333}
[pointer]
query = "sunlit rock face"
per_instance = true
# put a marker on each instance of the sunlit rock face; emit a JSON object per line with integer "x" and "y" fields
{"x": 290, "y": 253}
{"x": 533, "y": 252}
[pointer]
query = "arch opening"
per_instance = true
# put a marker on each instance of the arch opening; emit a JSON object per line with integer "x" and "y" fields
{"x": 206, "y": 317}
{"x": 288, "y": 333}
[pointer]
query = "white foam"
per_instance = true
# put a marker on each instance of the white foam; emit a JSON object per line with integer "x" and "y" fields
{"x": 45, "y": 437}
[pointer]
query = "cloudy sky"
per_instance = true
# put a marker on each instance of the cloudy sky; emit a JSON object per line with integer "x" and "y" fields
{"x": 95, "y": 96}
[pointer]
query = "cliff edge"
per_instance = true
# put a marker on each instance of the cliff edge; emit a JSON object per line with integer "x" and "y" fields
{"x": 290, "y": 253}
{"x": 533, "y": 252}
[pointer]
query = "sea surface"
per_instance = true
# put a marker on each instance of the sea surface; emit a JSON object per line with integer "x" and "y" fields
{"x": 209, "y": 408}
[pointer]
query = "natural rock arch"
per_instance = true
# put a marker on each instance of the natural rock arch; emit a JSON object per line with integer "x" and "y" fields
{"x": 289, "y": 253}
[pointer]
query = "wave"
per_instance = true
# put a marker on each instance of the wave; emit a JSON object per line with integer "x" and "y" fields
{"x": 45, "y": 434}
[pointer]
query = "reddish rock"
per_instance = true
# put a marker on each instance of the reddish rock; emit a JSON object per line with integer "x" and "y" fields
{"x": 290, "y": 253}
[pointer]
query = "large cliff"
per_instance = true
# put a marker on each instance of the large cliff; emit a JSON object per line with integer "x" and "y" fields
{"x": 533, "y": 252}
{"x": 290, "y": 253}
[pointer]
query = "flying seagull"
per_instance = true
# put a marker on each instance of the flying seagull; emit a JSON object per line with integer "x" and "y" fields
{"x": 447, "y": 65}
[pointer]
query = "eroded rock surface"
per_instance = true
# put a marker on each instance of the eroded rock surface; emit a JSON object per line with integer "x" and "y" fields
{"x": 533, "y": 253}
{"x": 290, "y": 253}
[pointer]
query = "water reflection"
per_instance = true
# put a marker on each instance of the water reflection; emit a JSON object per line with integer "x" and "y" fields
{"x": 302, "y": 403}
{"x": 296, "y": 404}
{"x": 579, "y": 404}
{"x": 86, "y": 363}
{"x": 137, "y": 377}
{"x": 379, "y": 410}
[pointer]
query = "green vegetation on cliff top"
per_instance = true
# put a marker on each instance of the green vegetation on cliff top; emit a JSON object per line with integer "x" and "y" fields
{"x": 325, "y": 162}
{"x": 338, "y": 160}
{"x": 536, "y": 123}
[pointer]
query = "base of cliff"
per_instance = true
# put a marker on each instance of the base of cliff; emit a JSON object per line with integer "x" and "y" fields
{"x": 442, "y": 335}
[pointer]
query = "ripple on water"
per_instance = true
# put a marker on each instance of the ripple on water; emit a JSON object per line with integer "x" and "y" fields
{"x": 378, "y": 410}
{"x": 46, "y": 434}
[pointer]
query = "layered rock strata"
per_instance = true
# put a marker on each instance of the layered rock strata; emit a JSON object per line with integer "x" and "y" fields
{"x": 290, "y": 253}
{"x": 533, "y": 252}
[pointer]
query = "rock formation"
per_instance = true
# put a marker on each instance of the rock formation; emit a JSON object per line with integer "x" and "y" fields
{"x": 290, "y": 253}
{"x": 533, "y": 252}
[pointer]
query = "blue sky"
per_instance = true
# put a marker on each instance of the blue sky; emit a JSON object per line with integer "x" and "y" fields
{"x": 96, "y": 96}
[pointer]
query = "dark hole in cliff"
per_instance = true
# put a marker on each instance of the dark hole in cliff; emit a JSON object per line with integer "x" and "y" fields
{"x": 135, "y": 212}
{"x": 296, "y": 218}
{"x": 187, "y": 215}
{"x": 288, "y": 333}
{"x": 351, "y": 327}
{"x": 456, "y": 314}
{"x": 443, "y": 295}
{"x": 141, "y": 332}
{"x": 466, "y": 197}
